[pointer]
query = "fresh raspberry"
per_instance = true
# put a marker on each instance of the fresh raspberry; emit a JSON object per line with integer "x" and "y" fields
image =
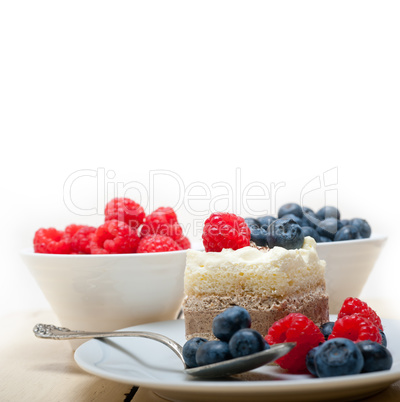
{"x": 184, "y": 243}
{"x": 167, "y": 213}
{"x": 70, "y": 230}
{"x": 353, "y": 305}
{"x": 114, "y": 237}
{"x": 51, "y": 241}
{"x": 125, "y": 210}
{"x": 295, "y": 327}
{"x": 156, "y": 244}
{"x": 80, "y": 241}
{"x": 356, "y": 328}
{"x": 225, "y": 230}
{"x": 159, "y": 221}
{"x": 163, "y": 221}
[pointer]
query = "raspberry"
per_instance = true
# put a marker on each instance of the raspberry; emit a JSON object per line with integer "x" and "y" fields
{"x": 156, "y": 244}
{"x": 295, "y": 327}
{"x": 80, "y": 241}
{"x": 114, "y": 237}
{"x": 225, "y": 230}
{"x": 70, "y": 230}
{"x": 356, "y": 328}
{"x": 162, "y": 221}
{"x": 125, "y": 210}
{"x": 159, "y": 221}
{"x": 184, "y": 243}
{"x": 51, "y": 241}
{"x": 167, "y": 213}
{"x": 353, "y": 305}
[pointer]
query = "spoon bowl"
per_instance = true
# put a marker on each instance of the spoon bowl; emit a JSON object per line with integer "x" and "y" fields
{"x": 221, "y": 369}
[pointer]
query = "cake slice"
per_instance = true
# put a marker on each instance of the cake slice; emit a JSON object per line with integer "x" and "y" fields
{"x": 269, "y": 283}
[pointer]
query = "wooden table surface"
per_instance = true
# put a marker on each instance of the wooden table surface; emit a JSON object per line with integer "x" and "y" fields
{"x": 33, "y": 369}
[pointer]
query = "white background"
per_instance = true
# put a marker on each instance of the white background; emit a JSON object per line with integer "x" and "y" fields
{"x": 204, "y": 94}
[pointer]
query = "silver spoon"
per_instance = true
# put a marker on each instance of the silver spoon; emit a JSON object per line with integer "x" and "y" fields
{"x": 221, "y": 369}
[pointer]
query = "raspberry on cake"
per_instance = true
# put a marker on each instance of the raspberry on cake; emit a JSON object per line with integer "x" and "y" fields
{"x": 224, "y": 230}
{"x": 269, "y": 284}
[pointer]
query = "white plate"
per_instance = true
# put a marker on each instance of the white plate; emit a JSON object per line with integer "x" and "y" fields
{"x": 148, "y": 364}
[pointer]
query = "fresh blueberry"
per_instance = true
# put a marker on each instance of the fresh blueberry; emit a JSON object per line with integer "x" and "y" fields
{"x": 311, "y": 219}
{"x": 337, "y": 357}
{"x": 310, "y": 362}
{"x": 362, "y": 226}
{"x": 285, "y": 233}
{"x": 246, "y": 342}
{"x": 266, "y": 220}
{"x": 298, "y": 220}
{"x": 189, "y": 350}
{"x": 345, "y": 222}
{"x": 291, "y": 208}
{"x": 229, "y": 321}
{"x": 384, "y": 339}
{"x": 328, "y": 227}
{"x": 258, "y": 235}
{"x": 309, "y": 231}
{"x": 348, "y": 232}
{"x": 212, "y": 352}
{"x": 376, "y": 357}
{"x": 328, "y": 212}
{"x": 326, "y": 329}
{"x": 252, "y": 222}
{"x": 324, "y": 239}
{"x": 266, "y": 345}
{"x": 307, "y": 210}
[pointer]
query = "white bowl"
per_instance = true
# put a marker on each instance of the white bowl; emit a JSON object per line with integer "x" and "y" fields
{"x": 348, "y": 265}
{"x": 109, "y": 292}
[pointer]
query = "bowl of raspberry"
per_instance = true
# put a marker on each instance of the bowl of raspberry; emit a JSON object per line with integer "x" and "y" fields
{"x": 127, "y": 271}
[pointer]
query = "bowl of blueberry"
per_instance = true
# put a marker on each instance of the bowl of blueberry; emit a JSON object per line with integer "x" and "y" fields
{"x": 348, "y": 246}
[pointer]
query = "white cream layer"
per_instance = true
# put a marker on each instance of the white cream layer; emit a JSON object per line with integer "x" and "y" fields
{"x": 278, "y": 272}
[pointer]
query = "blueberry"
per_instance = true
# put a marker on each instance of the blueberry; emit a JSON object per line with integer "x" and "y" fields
{"x": 298, "y": 220}
{"x": 310, "y": 362}
{"x": 229, "y": 321}
{"x": 311, "y": 219}
{"x": 337, "y": 357}
{"x": 384, "y": 339}
{"x": 345, "y": 222}
{"x": 285, "y": 233}
{"x": 189, "y": 350}
{"x": 376, "y": 357}
{"x": 251, "y": 222}
{"x": 328, "y": 212}
{"x": 246, "y": 342}
{"x": 212, "y": 352}
{"x": 291, "y": 208}
{"x": 362, "y": 226}
{"x": 326, "y": 329}
{"x": 328, "y": 227}
{"x": 348, "y": 232}
{"x": 307, "y": 210}
{"x": 266, "y": 220}
{"x": 309, "y": 231}
{"x": 258, "y": 235}
{"x": 324, "y": 239}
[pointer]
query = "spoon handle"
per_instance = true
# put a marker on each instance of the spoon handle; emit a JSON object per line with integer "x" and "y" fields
{"x": 47, "y": 331}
